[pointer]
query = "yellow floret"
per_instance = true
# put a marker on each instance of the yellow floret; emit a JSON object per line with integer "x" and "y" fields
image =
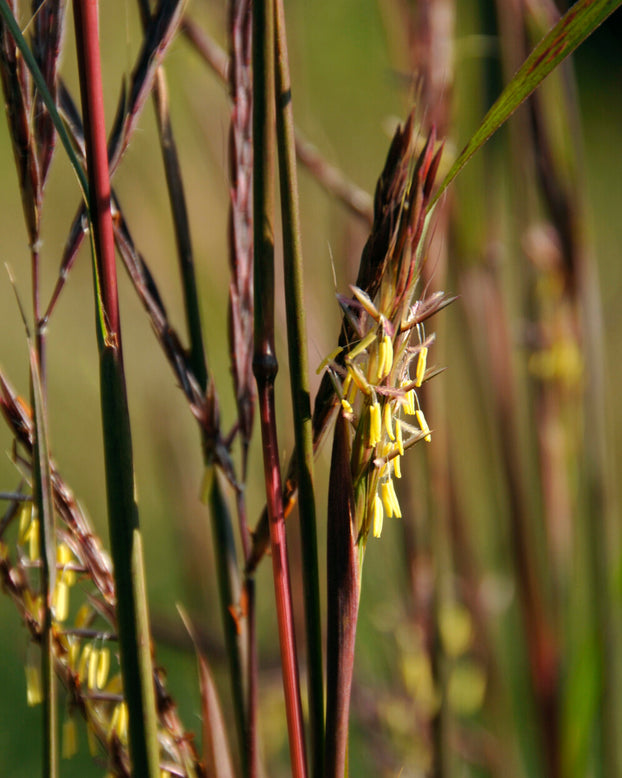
{"x": 421, "y": 365}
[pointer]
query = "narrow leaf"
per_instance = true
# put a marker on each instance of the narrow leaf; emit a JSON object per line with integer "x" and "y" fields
{"x": 573, "y": 28}
{"x": 343, "y": 590}
{"x": 216, "y": 751}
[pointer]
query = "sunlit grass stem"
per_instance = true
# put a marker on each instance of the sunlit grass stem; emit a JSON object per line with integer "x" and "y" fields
{"x": 125, "y": 537}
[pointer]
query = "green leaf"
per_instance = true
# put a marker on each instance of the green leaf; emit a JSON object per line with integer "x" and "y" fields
{"x": 573, "y": 28}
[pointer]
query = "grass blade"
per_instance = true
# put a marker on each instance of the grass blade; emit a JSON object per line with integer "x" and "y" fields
{"x": 343, "y": 593}
{"x": 573, "y": 28}
{"x": 45, "y": 510}
{"x": 216, "y": 753}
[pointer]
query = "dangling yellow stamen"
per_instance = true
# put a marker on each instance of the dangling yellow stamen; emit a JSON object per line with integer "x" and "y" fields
{"x": 387, "y": 364}
{"x": 103, "y": 667}
{"x": 388, "y": 420}
{"x": 64, "y": 557}
{"x": 60, "y": 600}
{"x": 25, "y": 519}
{"x": 409, "y": 402}
{"x": 398, "y": 437}
{"x": 375, "y": 427}
{"x": 423, "y": 425}
{"x": 83, "y": 615}
{"x": 421, "y": 365}
{"x": 397, "y": 467}
{"x": 346, "y": 407}
{"x": 70, "y": 741}
{"x": 84, "y": 658}
{"x": 74, "y": 651}
{"x": 362, "y": 345}
{"x": 34, "y": 693}
{"x": 93, "y": 663}
{"x": 389, "y": 499}
{"x": 33, "y": 540}
{"x": 377, "y": 517}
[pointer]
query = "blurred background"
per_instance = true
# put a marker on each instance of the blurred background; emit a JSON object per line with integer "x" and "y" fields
{"x": 489, "y": 615}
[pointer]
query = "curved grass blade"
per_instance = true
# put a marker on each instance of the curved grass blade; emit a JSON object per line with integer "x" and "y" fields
{"x": 216, "y": 751}
{"x": 573, "y": 28}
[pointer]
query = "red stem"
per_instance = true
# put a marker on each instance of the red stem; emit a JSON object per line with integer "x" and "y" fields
{"x": 87, "y": 35}
{"x": 282, "y": 587}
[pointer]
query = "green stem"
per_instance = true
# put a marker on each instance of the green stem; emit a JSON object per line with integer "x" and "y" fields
{"x": 125, "y": 537}
{"x": 299, "y": 378}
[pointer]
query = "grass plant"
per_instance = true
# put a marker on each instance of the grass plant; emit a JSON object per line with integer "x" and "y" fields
{"x": 494, "y": 660}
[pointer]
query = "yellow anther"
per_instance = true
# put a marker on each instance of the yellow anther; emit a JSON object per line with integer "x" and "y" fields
{"x": 385, "y": 357}
{"x": 64, "y": 557}
{"x": 84, "y": 658}
{"x": 33, "y": 540}
{"x": 409, "y": 402}
{"x": 389, "y": 499}
{"x": 115, "y": 684}
{"x": 74, "y": 651}
{"x": 122, "y": 723}
{"x": 83, "y": 616}
{"x": 421, "y": 365}
{"x": 63, "y": 554}
{"x": 70, "y": 740}
{"x": 60, "y": 600}
{"x": 398, "y": 437}
{"x": 34, "y": 693}
{"x": 93, "y": 664}
{"x": 423, "y": 425}
{"x": 362, "y": 345}
{"x": 387, "y": 417}
{"x": 103, "y": 667}
{"x": 378, "y": 517}
{"x": 375, "y": 427}
{"x": 114, "y": 721}
{"x": 347, "y": 408}
{"x": 328, "y": 359}
{"x": 397, "y": 467}
{"x": 25, "y": 518}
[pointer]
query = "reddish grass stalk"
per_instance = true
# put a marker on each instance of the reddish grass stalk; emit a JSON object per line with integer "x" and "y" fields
{"x": 126, "y": 541}
{"x": 265, "y": 364}
{"x": 299, "y": 381}
{"x": 343, "y": 594}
